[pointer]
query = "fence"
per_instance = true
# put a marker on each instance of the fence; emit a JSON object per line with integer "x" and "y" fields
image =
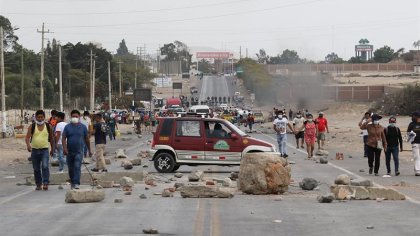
{"x": 362, "y": 67}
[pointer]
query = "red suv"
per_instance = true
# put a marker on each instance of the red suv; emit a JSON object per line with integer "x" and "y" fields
{"x": 200, "y": 141}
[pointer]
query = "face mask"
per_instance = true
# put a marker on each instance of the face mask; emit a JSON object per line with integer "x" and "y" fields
{"x": 310, "y": 120}
{"x": 376, "y": 122}
{"x": 40, "y": 122}
{"x": 392, "y": 124}
{"x": 279, "y": 116}
{"x": 74, "y": 120}
{"x": 298, "y": 116}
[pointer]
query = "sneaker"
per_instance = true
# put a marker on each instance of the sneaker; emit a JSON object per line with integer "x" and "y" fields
{"x": 104, "y": 170}
{"x": 76, "y": 186}
{"x": 376, "y": 174}
{"x": 297, "y": 147}
{"x": 397, "y": 173}
{"x": 302, "y": 146}
{"x": 386, "y": 176}
{"x": 60, "y": 171}
{"x": 285, "y": 155}
{"x": 417, "y": 174}
{"x": 94, "y": 170}
{"x": 45, "y": 187}
{"x": 38, "y": 187}
{"x": 370, "y": 170}
{"x": 281, "y": 155}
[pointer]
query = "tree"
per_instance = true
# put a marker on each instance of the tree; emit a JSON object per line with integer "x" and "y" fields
{"x": 10, "y": 39}
{"x": 356, "y": 60}
{"x": 399, "y": 53}
{"x": 333, "y": 58}
{"x": 287, "y": 57}
{"x": 122, "y": 49}
{"x": 262, "y": 56}
{"x": 416, "y": 44}
{"x": 177, "y": 51}
{"x": 383, "y": 55}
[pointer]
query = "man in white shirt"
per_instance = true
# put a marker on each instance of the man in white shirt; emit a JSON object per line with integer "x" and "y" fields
{"x": 364, "y": 132}
{"x": 58, "y": 139}
{"x": 86, "y": 121}
{"x": 280, "y": 125}
{"x": 298, "y": 124}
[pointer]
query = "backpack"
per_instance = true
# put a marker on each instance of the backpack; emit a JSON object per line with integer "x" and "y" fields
{"x": 48, "y": 126}
{"x": 105, "y": 128}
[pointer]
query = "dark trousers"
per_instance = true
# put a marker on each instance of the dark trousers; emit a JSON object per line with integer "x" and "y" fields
{"x": 74, "y": 164}
{"x": 40, "y": 163}
{"x": 365, "y": 146}
{"x": 374, "y": 158}
{"x": 394, "y": 151}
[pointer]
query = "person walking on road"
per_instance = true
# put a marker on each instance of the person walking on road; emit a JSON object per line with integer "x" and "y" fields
{"x": 310, "y": 135}
{"x": 100, "y": 130}
{"x": 112, "y": 124}
{"x": 86, "y": 121}
{"x": 376, "y": 142}
{"x": 298, "y": 125}
{"x": 394, "y": 141}
{"x": 322, "y": 125}
{"x": 59, "y": 141}
{"x": 280, "y": 125}
{"x": 414, "y": 137}
{"x": 38, "y": 138}
{"x": 75, "y": 136}
{"x": 364, "y": 133}
{"x": 250, "y": 120}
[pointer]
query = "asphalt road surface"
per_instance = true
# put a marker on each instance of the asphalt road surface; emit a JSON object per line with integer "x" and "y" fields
{"x": 215, "y": 86}
{"x": 25, "y": 211}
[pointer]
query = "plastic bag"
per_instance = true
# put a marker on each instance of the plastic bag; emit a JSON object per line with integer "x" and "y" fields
{"x": 117, "y": 133}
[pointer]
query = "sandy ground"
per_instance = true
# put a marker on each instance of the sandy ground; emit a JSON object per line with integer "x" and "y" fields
{"x": 390, "y": 81}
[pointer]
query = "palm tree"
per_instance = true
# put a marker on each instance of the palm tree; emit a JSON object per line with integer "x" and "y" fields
{"x": 416, "y": 44}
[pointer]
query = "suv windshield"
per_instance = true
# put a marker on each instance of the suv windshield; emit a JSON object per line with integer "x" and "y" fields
{"x": 236, "y": 129}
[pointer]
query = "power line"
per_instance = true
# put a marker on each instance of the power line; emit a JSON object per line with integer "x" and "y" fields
{"x": 123, "y": 12}
{"x": 190, "y": 19}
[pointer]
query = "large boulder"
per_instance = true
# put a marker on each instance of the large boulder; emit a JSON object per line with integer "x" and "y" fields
{"x": 127, "y": 164}
{"x": 204, "y": 192}
{"x": 361, "y": 182}
{"x": 120, "y": 153}
{"x": 346, "y": 192}
{"x": 196, "y": 176}
{"x": 126, "y": 182}
{"x": 136, "y": 162}
{"x": 85, "y": 195}
{"x": 264, "y": 173}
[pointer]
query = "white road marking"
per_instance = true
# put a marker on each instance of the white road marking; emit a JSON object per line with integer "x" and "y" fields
{"x": 14, "y": 196}
{"x": 349, "y": 172}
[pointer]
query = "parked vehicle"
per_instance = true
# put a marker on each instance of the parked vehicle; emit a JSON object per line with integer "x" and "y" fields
{"x": 258, "y": 117}
{"x": 200, "y": 141}
{"x": 200, "y": 109}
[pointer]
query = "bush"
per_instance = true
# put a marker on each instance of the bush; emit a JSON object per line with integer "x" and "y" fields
{"x": 404, "y": 102}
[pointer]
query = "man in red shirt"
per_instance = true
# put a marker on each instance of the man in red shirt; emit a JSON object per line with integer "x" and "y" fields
{"x": 322, "y": 128}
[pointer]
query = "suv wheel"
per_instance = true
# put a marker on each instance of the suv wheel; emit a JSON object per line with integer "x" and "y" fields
{"x": 176, "y": 167}
{"x": 164, "y": 162}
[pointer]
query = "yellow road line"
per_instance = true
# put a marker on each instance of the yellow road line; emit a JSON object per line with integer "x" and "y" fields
{"x": 199, "y": 219}
{"x": 215, "y": 219}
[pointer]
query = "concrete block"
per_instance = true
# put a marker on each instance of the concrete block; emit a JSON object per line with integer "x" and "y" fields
{"x": 85, "y": 195}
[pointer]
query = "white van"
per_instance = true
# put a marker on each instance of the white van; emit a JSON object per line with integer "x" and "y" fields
{"x": 200, "y": 109}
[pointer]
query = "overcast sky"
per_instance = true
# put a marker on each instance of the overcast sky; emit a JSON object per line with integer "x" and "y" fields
{"x": 313, "y": 28}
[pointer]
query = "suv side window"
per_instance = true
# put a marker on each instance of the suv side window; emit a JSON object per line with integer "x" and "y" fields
{"x": 217, "y": 130}
{"x": 188, "y": 128}
{"x": 166, "y": 129}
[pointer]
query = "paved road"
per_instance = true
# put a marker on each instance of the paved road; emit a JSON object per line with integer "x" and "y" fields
{"x": 215, "y": 86}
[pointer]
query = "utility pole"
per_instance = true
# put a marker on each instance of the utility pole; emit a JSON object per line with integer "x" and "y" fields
{"x": 93, "y": 84}
{"x": 42, "y": 65}
{"x": 60, "y": 78}
{"x": 240, "y": 52}
{"x": 3, "y": 90}
{"x": 21, "y": 86}
{"x": 137, "y": 59}
{"x": 120, "y": 76}
{"x": 91, "y": 98}
{"x": 246, "y": 53}
{"x": 109, "y": 86}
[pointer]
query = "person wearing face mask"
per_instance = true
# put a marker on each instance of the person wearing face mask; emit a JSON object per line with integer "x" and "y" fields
{"x": 280, "y": 125}
{"x": 414, "y": 127}
{"x": 74, "y": 137}
{"x": 298, "y": 125}
{"x": 393, "y": 139}
{"x": 311, "y": 130}
{"x": 376, "y": 142}
{"x": 37, "y": 138}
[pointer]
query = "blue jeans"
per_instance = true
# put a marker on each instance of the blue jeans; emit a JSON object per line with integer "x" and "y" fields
{"x": 281, "y": 140}
{"x": 40, "y": 163}
{"x": 111, "y": 132}
{"x": 61, "y": 157}
{"x": 394, "y": 151}
{"x": 365, "y": 137}
{"x": 85, "y": 149}
{"x": 250, "y": 126}
{"x": 74, "y": 164}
